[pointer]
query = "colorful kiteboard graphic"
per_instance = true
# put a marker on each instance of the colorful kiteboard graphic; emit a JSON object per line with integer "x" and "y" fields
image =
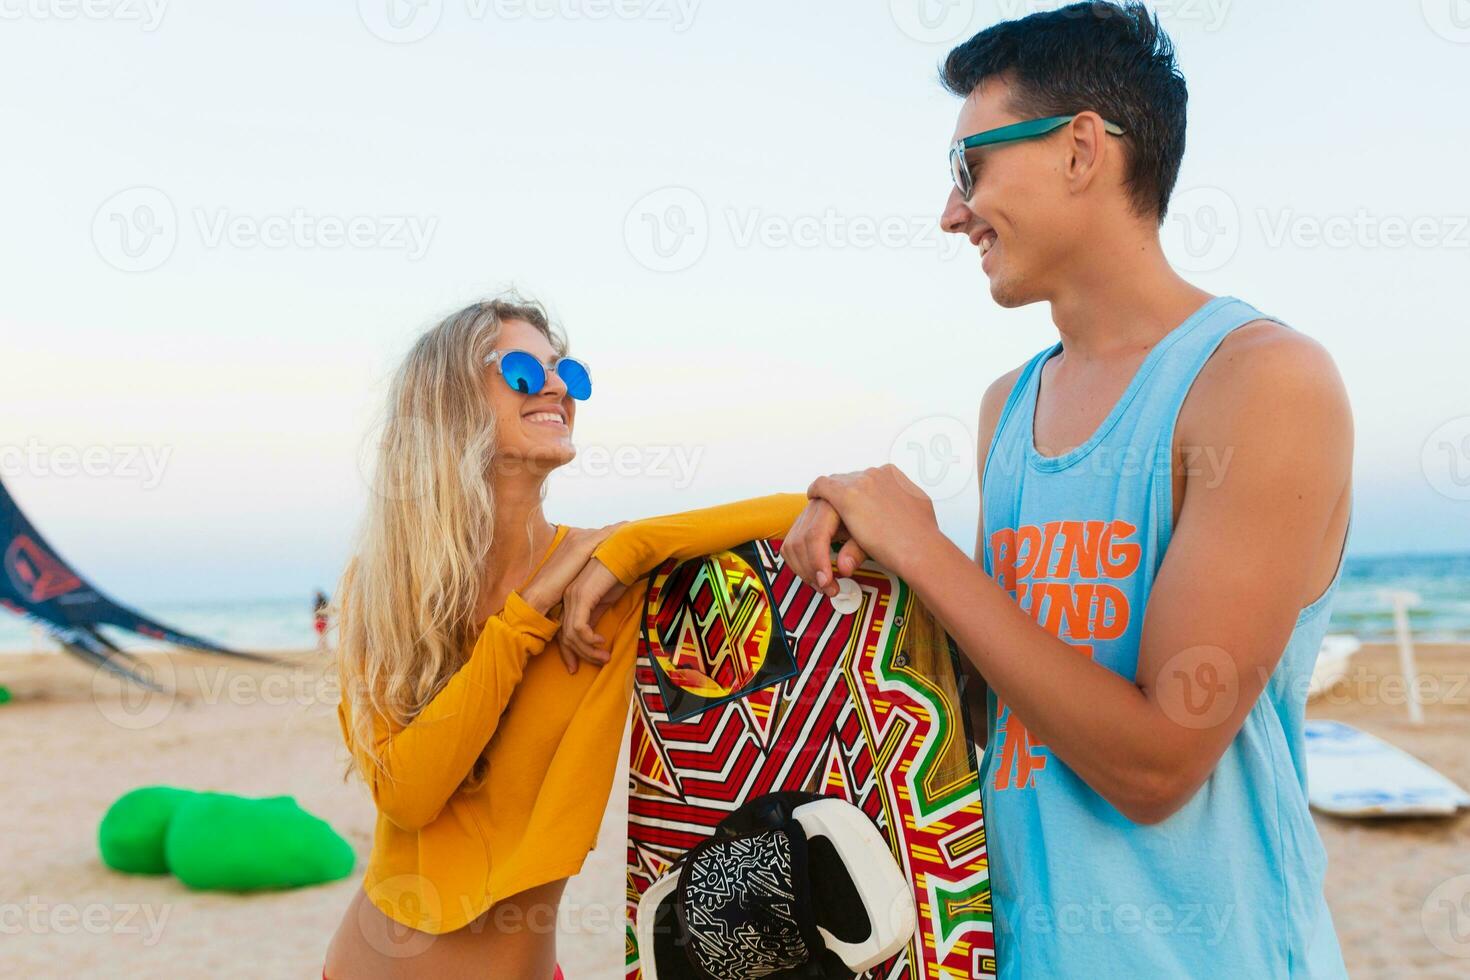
{"x": 712, "y": 632}
{"x": 738, "y": 694}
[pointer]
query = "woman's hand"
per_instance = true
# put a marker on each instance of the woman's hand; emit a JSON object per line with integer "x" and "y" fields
{"x": 583, "y": 604}
{"x": 548, "y": 585}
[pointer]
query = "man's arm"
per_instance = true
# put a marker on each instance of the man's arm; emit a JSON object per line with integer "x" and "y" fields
{"x": 991, "y": 405}
{"x": 1238, "y": 570}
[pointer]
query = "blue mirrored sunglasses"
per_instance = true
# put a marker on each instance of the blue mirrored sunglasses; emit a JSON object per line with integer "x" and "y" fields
{"x": 525, "y": 373}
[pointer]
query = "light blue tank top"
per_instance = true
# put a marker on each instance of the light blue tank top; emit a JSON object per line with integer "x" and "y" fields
{"x": 1229, "y": 886}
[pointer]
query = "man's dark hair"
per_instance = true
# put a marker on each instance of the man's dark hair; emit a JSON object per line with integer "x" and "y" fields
{"x": 1113, "y": 59}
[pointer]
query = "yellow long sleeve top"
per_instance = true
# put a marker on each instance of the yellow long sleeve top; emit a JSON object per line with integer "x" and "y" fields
{"x": 441, "y": 856}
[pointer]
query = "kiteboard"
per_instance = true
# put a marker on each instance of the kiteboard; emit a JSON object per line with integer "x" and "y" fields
{"x": 750, "y": 682}
{"x": 1352, "y": 774}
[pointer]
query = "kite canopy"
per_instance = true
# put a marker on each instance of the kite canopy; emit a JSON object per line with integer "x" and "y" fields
{"x": 40, "y": 586}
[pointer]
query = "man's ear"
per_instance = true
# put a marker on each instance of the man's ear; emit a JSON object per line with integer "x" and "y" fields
{"x": 1087, "y": 148}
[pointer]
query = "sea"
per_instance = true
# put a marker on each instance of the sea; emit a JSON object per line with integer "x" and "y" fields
{"x": 1441, "y": 581}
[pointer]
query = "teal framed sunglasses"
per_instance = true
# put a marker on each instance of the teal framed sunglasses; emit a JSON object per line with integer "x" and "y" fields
{"x": 959, "y": 167}
{"x": 524, "y": 372}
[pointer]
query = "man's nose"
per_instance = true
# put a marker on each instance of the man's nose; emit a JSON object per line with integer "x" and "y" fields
{"x": 956, "y": 214}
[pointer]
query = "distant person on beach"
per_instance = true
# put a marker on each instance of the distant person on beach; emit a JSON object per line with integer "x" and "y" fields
{"x": 1165, "y": 496}
{"x": 319, "y": 607}
{"x": 488, "y": 731}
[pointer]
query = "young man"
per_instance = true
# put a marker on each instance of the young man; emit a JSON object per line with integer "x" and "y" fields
{"x": 1164, "y": 505}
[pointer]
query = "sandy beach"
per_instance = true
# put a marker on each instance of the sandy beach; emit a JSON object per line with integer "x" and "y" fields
{"x": 74, "y": 746}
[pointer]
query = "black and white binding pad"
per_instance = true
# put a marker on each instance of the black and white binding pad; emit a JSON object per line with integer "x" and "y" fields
{"x": 792, "y": 885}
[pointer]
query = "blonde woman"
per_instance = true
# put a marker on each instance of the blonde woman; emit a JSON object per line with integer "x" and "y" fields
{"x": 488, "y": 739}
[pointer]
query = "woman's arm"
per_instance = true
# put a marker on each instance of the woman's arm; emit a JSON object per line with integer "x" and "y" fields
{"x": 637, "y": 548}
{"x": 420, "y": 765}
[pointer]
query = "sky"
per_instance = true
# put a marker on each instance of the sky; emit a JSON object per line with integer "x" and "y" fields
{"x": 224, "y": 224}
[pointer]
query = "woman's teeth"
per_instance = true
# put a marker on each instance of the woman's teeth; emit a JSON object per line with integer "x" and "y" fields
{"x": 545, "y": 417}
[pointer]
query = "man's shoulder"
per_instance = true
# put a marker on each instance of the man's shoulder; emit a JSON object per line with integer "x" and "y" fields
{"x": 1263, "y": 370}
{"x": 1264, "y": 338}
{"x": 998, "y": 392}
{"x": 992, "y": 403}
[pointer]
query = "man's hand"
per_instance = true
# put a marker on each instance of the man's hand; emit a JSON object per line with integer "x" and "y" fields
{"x": 884, "y": 514}
{"x": 807, "y": 548}
{"x": 585, "y": 600}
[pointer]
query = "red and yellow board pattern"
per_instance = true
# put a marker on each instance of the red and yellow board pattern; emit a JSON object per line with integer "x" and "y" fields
{"x": 873, "y": 715}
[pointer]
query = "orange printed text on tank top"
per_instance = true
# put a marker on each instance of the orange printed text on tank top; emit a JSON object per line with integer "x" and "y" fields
{"x": 1063, "y": 574}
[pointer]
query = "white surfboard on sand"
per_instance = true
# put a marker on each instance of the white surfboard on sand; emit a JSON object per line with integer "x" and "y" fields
{"x": 1332, "y": 663}
{"x": 1352, "y": 774}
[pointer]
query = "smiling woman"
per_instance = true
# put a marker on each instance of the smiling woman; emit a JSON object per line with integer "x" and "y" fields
{"x": 489, "y": 760}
